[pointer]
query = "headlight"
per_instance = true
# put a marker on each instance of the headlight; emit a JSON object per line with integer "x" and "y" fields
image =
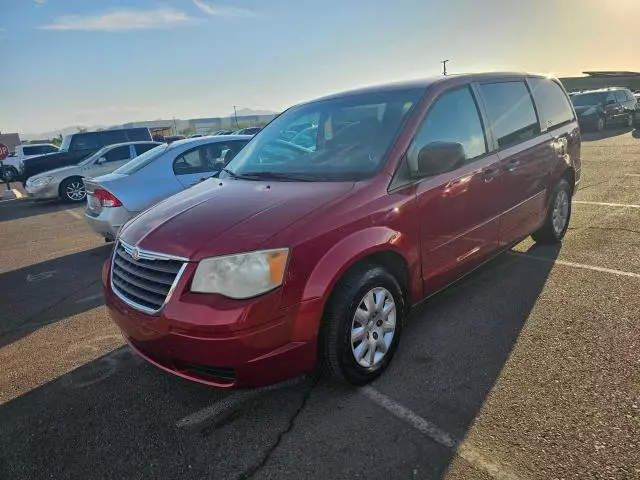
{"x": 589, "y": 111}
{"x": 40, "y": 181}
{"x": 241, "y": 276}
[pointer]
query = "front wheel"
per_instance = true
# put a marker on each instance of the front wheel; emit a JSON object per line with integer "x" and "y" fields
{"x": 558, "y": 215}
{"x": 72, "y": 190}
{"x": 362, "y": 325}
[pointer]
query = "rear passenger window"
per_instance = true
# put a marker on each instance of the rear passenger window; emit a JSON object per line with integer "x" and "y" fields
{"x": 144, "y": 147}
{"x": 85, "y": 141}
{"x": 511, "y": 114}
{"x": 553, "y": 105}
{"x": 118, "y": 154}
{"x": 454, "y": 117}
{"x": 109, "y": 137}
{"x": 620, "y": 96}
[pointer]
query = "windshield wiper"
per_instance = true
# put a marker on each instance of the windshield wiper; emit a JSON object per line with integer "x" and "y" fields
{"x": 230, "y": 172}
{"x": 291, "y": 177}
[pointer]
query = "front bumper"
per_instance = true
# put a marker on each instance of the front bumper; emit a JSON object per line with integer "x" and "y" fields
{"x": 48, "y": 191}
{"x": 108, "y": 222}
{"x": 222, "y": 342}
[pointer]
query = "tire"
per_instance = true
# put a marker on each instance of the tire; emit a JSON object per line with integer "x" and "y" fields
{"x": 9, "y": 174}
{"x": 70, "y": 185}
{"x": 553, "y": 231}
{"x": 337, "y": 352}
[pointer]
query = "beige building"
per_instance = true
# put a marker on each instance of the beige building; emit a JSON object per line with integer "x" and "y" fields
{"x": 11, "y": 140}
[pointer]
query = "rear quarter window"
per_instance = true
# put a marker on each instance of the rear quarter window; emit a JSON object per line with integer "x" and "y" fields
{"x": 85, "y": 141}
{"x": 512, "y": 117}
{"x": 553, "y": 105}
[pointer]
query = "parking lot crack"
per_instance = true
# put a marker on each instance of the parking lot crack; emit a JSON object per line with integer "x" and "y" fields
{"x": 251, "y": 471}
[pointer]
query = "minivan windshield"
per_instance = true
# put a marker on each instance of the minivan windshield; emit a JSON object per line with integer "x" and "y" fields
{"x": 588, "y": 99}
{"x": 142, "y": 160}
{"x": 344, "y": 139}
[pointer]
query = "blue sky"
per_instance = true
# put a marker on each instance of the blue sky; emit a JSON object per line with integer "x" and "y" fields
{"x": 81, "y": 62}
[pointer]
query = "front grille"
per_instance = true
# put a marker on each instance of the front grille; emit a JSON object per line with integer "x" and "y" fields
{"x": 146, "y": 281}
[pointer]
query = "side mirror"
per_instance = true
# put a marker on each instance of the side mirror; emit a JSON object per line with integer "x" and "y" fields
{"x": 611, "y": 101}
{"x": 439, "y": 157}
{"x": 101, "y": 160}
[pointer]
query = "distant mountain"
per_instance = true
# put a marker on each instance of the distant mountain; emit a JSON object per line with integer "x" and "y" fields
{"x": 55, "y": 133}
{"x": 242, "y": 112}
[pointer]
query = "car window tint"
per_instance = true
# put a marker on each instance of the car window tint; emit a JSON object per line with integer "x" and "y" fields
{"x": 85, "y": 141}
{"x": 511, "y": 114}
{"x": 620, "y": 96}
{"x": 118, "y": 154}
{"x": 228, "y": 150}
{"x": 205, "y": 158}
{"x": 144, "y": 147}
{"x": 136, "y": 134}
{"x": 109, "y": 137}
{"x": 453, "y": 118}
{"x": 35, "y": 150}
{"x": 49, "y": 149}
{"x": 553, "y": 105}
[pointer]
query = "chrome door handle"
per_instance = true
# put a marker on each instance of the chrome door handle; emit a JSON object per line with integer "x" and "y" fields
{"x": 513, "y": 165}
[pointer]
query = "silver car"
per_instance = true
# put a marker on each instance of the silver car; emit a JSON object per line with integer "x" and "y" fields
{"x": 66, "y": 182}
{"x": 167, "y": 169}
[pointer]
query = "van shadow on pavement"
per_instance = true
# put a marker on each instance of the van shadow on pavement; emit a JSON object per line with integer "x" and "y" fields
{"x": 44, "y": 293}
{"x": 116, "y": 417}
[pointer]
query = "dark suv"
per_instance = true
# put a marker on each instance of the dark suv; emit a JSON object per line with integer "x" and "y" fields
{"x": 600, "y": 109}
{"x": 78, "y": 146}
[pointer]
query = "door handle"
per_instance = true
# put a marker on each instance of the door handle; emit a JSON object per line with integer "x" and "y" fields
{"x": 513, "y": 165}
{"x": 489, "y": 174}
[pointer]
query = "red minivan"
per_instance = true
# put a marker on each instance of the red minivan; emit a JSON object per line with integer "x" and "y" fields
{"x": 313, "y": 243}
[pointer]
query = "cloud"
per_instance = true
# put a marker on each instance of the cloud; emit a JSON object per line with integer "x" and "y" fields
{"x": 40, "y": 2}
{"x": 120, "y": 20}
{"x": 222, "y": 10}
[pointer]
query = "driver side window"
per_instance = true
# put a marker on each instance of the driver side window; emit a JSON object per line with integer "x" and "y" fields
{"x": 454, "y": 117}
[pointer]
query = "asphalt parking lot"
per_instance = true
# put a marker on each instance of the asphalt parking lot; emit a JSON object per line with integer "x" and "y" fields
{"x": 527, "y": 369}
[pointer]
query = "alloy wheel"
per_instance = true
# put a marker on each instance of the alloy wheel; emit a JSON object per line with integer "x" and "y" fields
{"x": 560, "y": 213}
{"x": 373, "y": 327}
{"x": 75, "y": 190}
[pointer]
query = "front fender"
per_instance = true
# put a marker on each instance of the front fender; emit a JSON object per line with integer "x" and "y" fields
{"x": 354, "y": 248}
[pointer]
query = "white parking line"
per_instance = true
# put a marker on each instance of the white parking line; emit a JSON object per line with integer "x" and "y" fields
{"x": 620, "y": 273}
{"x": 231, "y": 402}
{"x": 632, "y": 174}
{"x": 436, "y": 434}
{"x": 603, "y": 204}
{"x": 41, "y": 276}
{"x": 74, "y": 214}
{"x": 89, "y": 298}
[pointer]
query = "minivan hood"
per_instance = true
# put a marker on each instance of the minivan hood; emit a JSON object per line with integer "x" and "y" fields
{"x": 219, "y": 217}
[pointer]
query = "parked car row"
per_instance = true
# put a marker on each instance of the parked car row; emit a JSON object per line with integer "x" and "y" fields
{"x": 13, "y": 164}
{"x": 600, "y": 109}
{"x": 114, "y": 199}
{"x": 310, "y": 246}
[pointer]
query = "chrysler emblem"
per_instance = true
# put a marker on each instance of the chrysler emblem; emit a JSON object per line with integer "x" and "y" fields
{"x": 135, "y": 253}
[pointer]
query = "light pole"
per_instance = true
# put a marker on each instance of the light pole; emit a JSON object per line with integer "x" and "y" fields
{"x": 444, "y": 67}
{"x": 235, "y": 114}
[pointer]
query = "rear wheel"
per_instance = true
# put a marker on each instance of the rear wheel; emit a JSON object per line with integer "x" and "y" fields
{"x": 558, "y": 215}
{"x": 72, "y": 190}
{"x": 9, "y": 174}
{"x": 362, "y": 325}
